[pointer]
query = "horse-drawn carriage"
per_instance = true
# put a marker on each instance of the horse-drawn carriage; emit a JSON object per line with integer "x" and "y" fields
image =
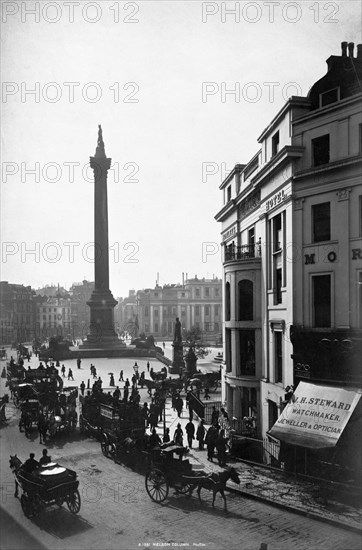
{"x": 64, "y": 417}
{"x": 123, "y": 432}
{"x": 167, "y": 471}
{"x": 29, "y": 414}
{"x": 46, "y": 486}
{"x": 3, "y": 400}
{"x": 89, "y": 419}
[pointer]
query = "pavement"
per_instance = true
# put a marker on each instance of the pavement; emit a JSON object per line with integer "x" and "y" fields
{"x": 269, "y": 485}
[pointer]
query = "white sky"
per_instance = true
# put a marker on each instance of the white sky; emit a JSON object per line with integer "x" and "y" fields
{"x": 168, "y": 134}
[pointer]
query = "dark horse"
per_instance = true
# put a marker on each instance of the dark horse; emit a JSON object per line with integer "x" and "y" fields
{"x": 15, "y": 465}
{"x": 215, "y": 482}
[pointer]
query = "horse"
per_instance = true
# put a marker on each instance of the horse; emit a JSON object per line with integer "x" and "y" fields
{"x": 15, "y": 465}
{"x": 43, "y": 425}
{"x": 215, "y": 482}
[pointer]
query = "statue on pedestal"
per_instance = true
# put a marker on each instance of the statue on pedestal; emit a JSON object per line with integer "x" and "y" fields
{"x": 177, "y": 335}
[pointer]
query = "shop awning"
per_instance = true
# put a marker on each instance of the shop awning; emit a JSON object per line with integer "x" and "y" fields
{"x": 316, "y": 416}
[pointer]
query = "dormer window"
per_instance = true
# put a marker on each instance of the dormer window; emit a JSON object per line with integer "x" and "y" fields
{"x": 328, "y": 97}
{"x": 228, "y": 194}
{"x": 275, "y": 143}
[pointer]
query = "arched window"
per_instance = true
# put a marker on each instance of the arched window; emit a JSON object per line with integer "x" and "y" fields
{"x": 227, "y": 302}
{"x": 246, "y": 300}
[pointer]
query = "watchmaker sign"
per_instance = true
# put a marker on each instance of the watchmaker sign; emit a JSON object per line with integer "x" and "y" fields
{"x": 316, "y": 415}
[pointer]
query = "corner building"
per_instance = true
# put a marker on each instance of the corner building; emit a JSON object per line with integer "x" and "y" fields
{"x": 297, "y": 200}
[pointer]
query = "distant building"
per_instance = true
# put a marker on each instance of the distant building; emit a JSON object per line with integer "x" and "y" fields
{"x": 197, "y": 302}
{"x": 80, "y": 293}
{"x": 17, "y": 313}
{"x": 54, "y": 318}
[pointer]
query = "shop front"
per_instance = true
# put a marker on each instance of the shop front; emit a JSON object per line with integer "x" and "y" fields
{"x": 319, "y": 432}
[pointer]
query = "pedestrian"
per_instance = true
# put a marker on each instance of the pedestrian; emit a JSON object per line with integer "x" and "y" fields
{"x": 121, "y": 376}
{"x": 200, "y": 434}
{"x": 221, "y": 448}
{"x": 178, "y": 436}
{"x": 82, "y": 387}
{"x": 166, "y": 437}
{"x": 125, "y": 394}
{"x": 62, "y": 370}
{"x": 111, "y": 381}
{"x": 70, "y": 374}
{"x": 79, "y": 361}
{"x": 57, "y": 364}
{"x": 155, "y": 440}
{"x": 214, "y": 417}
{"x": 210, "y": 440}
{"x": 148, "y": 366}
{"x": 190, "y": 431}
{"x": 179, "y": 406}
{"x": 45, "y": 459}
{"x": 163, "y": 345}
{"x": 127, "y": 383}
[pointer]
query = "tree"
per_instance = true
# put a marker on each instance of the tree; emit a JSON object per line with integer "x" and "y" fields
{"x": 193, "y": 339}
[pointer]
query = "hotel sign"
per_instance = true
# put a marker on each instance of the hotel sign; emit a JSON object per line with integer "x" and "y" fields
{"x": 229, "y": 233}
{"x": 275, "y": 200}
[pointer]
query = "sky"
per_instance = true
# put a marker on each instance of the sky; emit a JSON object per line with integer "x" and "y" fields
{"x": 156, "y": 76}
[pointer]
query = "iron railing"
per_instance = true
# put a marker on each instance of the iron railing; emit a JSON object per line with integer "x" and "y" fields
{"x": 244, "y": 252}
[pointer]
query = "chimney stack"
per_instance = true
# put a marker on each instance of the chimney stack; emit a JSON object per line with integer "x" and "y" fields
{"x": 359, "y": 52}
{"x": 350, "y": 49}
{"x": 344, "y": 49}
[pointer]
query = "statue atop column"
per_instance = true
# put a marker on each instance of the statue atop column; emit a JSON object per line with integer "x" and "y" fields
{"x": 100, "y": 151}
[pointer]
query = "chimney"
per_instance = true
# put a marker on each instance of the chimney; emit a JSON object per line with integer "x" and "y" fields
{"x": 359, "y": 52}
{"x": 344, "y": 49}
{"x": 350, "y": 49}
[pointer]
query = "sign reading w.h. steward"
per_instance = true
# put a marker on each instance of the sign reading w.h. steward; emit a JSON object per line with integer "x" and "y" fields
{"x": 316, "y": 416}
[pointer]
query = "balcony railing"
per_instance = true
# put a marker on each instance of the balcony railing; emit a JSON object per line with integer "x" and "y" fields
{"x": 244, "y": 252}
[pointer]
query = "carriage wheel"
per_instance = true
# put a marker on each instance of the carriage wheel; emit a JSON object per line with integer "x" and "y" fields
{"x": 73, "y": 502}
{"x": 156, "y": 485}
{"x": 26, "y": 506}
{"x": 105, "y": 446}
{"x": 184, "y": 488}
{"x": 114, "y": 452}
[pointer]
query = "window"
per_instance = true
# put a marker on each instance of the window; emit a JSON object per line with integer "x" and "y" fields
{"x": 228, "y": 354}
{"x": 197, "y": 292}
{"x": 217, "y": 292}
{"x": 227, "y": 302}
{"x": 277, "y": 231}
{"x": 246, "y": 300}
{"x": 173, "y": 311}
{"x": 275, "y": 143}
{"x": 216, "y": 327}
{"x": 182, "y": 295}
{"x": 278, "y": 285}
{"x": 183, "y": 313}
{"x": 321, "y": 220}
{"x": 207, "y": 310}
{"x": 156, "y": 327}
{"x": 273, "y": 413}
{"x": 156, "y": 312}
{"x": 320, "y": 150}
{"x": 216, "y": 311}
{"x": 156, "y": 294}
{"x": 251, "y": 239}
{"x": 328, "y": 97}
{"x": 197, "y": 311}
{"x": 322, "y": 301}
{"x": 146, "y": 311}
{"x": 207, "y": 292}
{"x": 228, "y": 194}
{"x": 247, "y": 352}
{"x": 278, "y": 356}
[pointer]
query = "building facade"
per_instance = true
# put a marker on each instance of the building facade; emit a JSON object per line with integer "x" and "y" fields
{"x": 17, "y": 313}
{"x": 197, "y": 302}
{"x": 283, "y": 262}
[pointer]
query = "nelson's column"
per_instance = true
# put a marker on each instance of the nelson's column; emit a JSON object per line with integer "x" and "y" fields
{"x": 101, "y": 331}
